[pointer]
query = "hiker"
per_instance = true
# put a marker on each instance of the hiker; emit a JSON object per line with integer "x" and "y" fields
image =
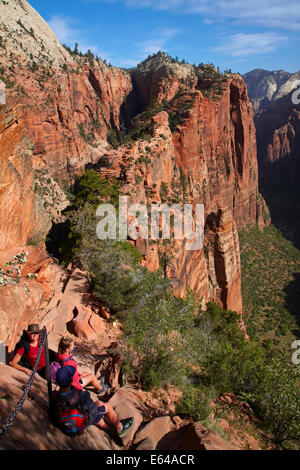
{"x": 80, "y": 380}
{"x": 74, "y": 410}
{"x": 26, "y": 352}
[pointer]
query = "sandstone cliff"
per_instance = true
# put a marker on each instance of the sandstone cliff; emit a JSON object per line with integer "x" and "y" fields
{"x": 22, "y": 215}
{"x": 68, "y": 102}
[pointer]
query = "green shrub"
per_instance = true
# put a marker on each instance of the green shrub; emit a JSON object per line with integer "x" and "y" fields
{"x": 195, "y": 402}
{"x": 269, "y": 383}
{"x": 276, "y": 402}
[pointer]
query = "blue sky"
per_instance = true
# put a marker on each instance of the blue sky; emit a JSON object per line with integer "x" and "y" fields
{"x": 232, "y": 34}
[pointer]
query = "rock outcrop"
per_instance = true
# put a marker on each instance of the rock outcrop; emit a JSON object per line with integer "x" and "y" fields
{"x": 57, "y": 298}
{"x": 68, "y": 102}
{"x": 22, "y": 215}
{"x": 32, "y": 429}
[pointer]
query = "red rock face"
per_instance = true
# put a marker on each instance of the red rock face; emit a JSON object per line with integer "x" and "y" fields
{"x": 20, "y": 307}
{"x": 216, "y": 148}
{"x": 21, "y": 215}
{"x": 68, "y": 114}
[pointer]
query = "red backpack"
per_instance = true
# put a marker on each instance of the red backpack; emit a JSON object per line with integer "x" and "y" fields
{"x": 71, "y": 421}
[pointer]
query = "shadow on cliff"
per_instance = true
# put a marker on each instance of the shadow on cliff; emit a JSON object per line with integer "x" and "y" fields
{"x": 58, "y": 233}
{"x": 292, "y": 300}
{"x": 280, "y": 188}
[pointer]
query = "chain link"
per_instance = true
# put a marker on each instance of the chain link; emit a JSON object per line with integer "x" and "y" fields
{"x": 10, "y": 420}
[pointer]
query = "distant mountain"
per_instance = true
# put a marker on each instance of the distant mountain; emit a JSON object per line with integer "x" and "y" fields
{"x": 278, "y": 134}
{"x": 266, "y": 87}
{"x": 277, "y": 118}
{"x": 277, "y": 122}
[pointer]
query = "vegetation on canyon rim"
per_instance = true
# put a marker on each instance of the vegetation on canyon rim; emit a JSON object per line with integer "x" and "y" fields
{"x": 169, "y": 340}
{"x": 270, "y": 295}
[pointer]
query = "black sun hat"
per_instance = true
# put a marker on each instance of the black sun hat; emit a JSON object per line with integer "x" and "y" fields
{"x": 34, "y": 328}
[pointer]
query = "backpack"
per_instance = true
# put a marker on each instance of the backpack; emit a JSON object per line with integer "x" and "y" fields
{"x": 69, "y": 419}
{"x": 54, "y": 366}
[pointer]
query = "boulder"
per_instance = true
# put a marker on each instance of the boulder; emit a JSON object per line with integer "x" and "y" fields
{"x": 194, "y": 436}
{"x": 87, "y": 325}
{"x": 155, "y": 430}
{"x": 126, "y": 409}
{"x": 126, "y": 405}
{"x": 97, "y": 323}
{"x": 198, "y": 437}
{"x": 147, "y": 444}
{"x": 105, "y": 312}
{"x": 80, "y": 325}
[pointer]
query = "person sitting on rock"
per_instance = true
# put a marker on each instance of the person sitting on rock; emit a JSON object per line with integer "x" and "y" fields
{"x": 26, "y": 352}
{"x": 70, "y": 404}
{"x": 65, "y": 358}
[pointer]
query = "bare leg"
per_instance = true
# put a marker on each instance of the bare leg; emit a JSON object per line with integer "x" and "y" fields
{"x": 110, "y": 416}
{"x": 90, "y": 379}
{"x": 102, "y": 424}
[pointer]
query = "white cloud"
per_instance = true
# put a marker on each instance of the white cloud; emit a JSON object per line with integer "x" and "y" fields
{"x": 158, "y": 41}
{"x": 241, "y": 44}
{"x": 67, "y": 34}
{"x": 62, "y": 29}
{"x": 284, "y": 14}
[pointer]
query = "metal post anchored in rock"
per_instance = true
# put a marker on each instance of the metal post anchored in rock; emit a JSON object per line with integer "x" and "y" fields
{"x": 2, "y": 353}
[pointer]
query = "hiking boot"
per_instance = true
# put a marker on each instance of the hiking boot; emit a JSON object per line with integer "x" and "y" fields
{"x": 102, "y": 380}
{"x": 104, "y": 390}
{"x": 126, "y": 425}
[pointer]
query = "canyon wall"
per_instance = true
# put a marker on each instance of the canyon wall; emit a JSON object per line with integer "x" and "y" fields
{"x": 22, "y": 215}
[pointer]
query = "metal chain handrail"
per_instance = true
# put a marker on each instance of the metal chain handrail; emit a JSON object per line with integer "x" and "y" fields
{"x": 10, "y": 420}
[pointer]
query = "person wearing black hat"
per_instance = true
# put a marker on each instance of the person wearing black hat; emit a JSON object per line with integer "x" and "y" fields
{"x": 26, "y": 352}
{"x": 98, "y": 413}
